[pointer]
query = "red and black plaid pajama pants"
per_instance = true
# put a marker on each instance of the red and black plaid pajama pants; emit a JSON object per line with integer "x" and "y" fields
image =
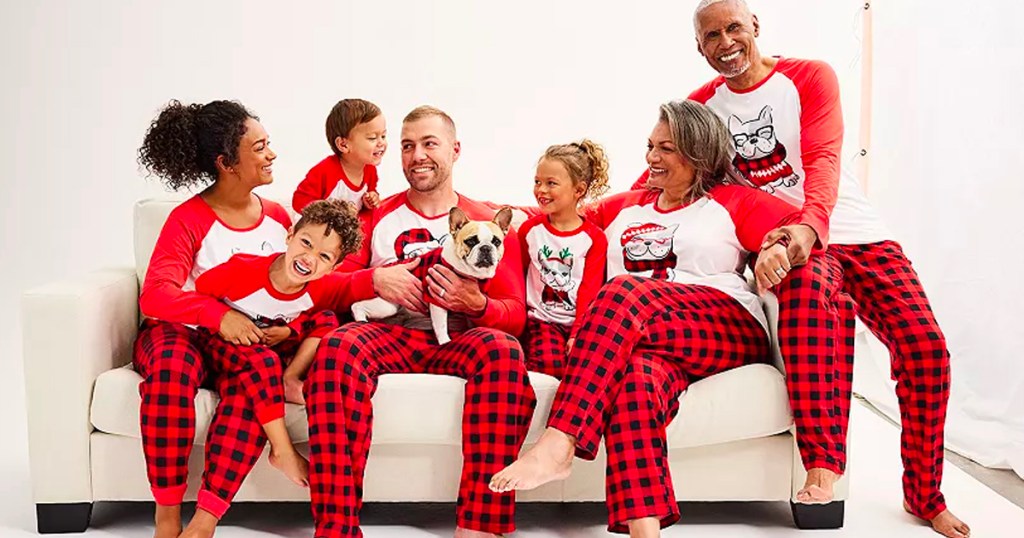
{"x": 890, "y": 300}
{"x": 641, "y": 343}
{"x": 170, "y": 357}
{"x": 544, "y": 346}
{"x": 498, "y": 408}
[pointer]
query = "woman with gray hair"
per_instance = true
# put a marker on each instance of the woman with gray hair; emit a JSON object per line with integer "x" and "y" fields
{"x": 676, "y": 309}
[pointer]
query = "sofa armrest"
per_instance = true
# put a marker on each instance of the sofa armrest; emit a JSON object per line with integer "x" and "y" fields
{"x": 72, "y": 331}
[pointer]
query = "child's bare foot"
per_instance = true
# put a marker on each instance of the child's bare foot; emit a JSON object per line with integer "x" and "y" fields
{"x": 292, "y": 464}
{"x": 550, "y": 459}
{"x": 467, "y": 533}
{"x": 203, "y": 525}
{"x": 818, "y": 487}
{"x": 293, "y": 390}
{"x": 168, "y": 521}
{"x": 946, "y": 524}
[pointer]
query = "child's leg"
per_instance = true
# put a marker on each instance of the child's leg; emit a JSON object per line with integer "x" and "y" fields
{"x": 296, "y": 370}
{"x": 257, "y": 369}
{"x": 314, "y": 327}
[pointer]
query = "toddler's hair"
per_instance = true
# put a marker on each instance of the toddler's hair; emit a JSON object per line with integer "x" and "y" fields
{"x": 586, "y": 162}
{"x": 339, "y": 217}
{"x": 345, "y": 115}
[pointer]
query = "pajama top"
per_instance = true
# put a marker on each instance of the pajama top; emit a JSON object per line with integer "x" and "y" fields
{"x": 706, "y": 242}
{"x": 192, "y": 241}
{"x": 564, "y": 270}
{"x": 395, "y": 231}
{"x": 327, "y": 180}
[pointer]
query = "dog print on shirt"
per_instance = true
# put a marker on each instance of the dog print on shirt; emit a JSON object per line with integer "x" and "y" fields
{"x": 648, "y": 247}
{"x": 760, "y": 157}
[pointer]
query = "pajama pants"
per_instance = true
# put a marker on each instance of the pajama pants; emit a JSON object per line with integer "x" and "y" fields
{"x": 170, "y": 358}
{"x": 498, "y": 406}
{"x": 544, "y": 345}
{"x": 641, "y": 343}
{"x": 891, "y": 302}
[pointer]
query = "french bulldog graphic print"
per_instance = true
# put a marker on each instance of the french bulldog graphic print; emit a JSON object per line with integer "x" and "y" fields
{"x": 648, "y": 247}
{"x": 760, "y": 157}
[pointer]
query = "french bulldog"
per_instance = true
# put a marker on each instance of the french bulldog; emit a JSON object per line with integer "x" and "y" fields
{"x": 472, "y": 250}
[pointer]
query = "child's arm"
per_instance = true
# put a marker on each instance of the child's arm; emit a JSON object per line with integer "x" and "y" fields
{"x": 310, "y": 189}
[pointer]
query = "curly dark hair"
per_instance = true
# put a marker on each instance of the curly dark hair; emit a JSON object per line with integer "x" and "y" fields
{"x": 183, "y": 142}
{"x": 340, "y": 217}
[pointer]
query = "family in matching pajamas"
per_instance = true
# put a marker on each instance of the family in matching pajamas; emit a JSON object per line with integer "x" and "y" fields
{"x": 626, "y": 299}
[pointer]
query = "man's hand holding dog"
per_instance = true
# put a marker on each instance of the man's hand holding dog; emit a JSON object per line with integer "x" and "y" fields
{"x": 455, "y": 293}
{"x": 397, "y": 285}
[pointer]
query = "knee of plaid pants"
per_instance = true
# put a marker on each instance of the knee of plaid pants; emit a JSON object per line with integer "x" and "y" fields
{"x": 258, "y": 370}
{"x": 638, "y": 481}
{"x": 810, "y": 330}
{"x": 169, "y": 358}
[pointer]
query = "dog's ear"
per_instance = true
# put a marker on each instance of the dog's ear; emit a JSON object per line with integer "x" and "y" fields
{"x": 456, "y": 220}
{"x": 503, "y": 218}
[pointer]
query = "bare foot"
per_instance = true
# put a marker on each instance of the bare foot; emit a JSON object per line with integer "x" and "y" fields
{"x": 467, "y": 533}
{"x": 818, "y": 487}
{"x": 293, "y": 465}
{"x": 550, "y": 459}
{"x": 293, "y": 390}
{"x": 645, "y": 527}
{"x": 168, "y": 521}
{"x": 203, "y": 525}
{"x": 946, "y": 524}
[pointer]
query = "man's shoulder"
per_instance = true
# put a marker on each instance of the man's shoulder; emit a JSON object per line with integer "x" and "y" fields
{"x": 474, "y": 209}
{"x": 388, "y": 205}
{"x": 798, "y": 69}
{"x": 705, "y": 92}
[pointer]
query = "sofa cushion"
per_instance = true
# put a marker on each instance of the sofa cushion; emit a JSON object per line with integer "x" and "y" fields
{"x": 744, "y": 403}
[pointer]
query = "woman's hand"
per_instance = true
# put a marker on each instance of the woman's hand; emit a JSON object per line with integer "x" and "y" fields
{"x": 237, "y": 328}
{"x": 275, "y": 335}
{"x": 771, "y": 267}
{"x": 799, "y": 240}
{"x": 455, "y": 293}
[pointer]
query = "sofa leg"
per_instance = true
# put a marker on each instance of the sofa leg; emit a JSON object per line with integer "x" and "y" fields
{"x": 818, "y": 516}
{"x": 63, "y": 517}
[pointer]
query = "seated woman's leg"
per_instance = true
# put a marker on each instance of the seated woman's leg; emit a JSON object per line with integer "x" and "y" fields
{"x": 168, "y": 357}
{"x": 704, "y": 329}
{"x": 638, "y": 482}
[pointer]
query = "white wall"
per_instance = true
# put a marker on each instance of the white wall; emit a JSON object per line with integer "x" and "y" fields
{"x": 82, "y": 80}
{"x": 946, "y": 171}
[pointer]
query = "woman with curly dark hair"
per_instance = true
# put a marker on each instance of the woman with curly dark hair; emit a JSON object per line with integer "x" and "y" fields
{"x": 221, "y": 148}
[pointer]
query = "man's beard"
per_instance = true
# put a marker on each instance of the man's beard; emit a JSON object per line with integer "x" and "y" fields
{"x": 736, "y": 72}
{"x": 429, "y": 185}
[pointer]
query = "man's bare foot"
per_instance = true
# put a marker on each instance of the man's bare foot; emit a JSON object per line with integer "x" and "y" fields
{"x": 292, "y": 464}
{"x": 203, "y": 525}
{"x": 818, "y": 487}
{"x": 467, "y": 533}
{"x": 293, "y": 390}
{"x": 168, "y": 521}
{"x": 550, "y": 459}
{"x": 946, "y": 524}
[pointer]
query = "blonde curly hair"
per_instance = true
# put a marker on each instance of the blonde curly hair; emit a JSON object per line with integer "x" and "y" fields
{"x": 586, "y": 163}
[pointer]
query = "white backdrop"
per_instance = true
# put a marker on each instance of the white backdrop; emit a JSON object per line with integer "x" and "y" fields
{"x": 83, "y": 80}
{"x": 945, "y": 170}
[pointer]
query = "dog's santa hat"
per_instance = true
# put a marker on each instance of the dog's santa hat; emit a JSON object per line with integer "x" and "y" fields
{"x": 640, "y": 229}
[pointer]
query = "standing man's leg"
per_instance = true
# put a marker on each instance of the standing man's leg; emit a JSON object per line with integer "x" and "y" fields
{"x": 811, "y": 328}
{"x": 893, "y": 304}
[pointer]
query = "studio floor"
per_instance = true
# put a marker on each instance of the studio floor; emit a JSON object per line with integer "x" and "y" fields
{"x": 873, "y": 508}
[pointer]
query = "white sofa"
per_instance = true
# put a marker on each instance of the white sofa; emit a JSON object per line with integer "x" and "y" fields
{"x": 732, "y": 440}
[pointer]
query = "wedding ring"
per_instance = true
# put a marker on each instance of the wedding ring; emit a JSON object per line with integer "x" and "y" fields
{"x": 780, "y": 271}
{"x": 441, "y": 293}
